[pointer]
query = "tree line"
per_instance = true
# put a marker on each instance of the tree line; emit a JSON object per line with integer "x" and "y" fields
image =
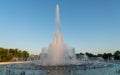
{"x": 106, "y": 56}
{"x": 10, "y": 54}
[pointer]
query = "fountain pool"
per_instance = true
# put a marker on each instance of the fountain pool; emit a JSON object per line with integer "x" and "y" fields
{"x": 17, "y": 69}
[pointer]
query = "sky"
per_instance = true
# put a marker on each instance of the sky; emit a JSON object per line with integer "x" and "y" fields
{"x": 86, "y": 25}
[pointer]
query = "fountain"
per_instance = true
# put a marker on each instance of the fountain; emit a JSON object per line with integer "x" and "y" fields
{"x": 58, "y": 53}
{"x": 57, "y": 58}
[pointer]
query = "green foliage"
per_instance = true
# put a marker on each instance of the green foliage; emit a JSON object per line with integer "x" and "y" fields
{"x": 105, "y": 56}
{"x": 117, "y": 55}
{"x": 79, "y": 55}
{"x": 9, "y": 54}
{"x": 90, "y": 54}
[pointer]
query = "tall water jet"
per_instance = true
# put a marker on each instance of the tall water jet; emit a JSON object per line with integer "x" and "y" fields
{"x": 57, "y": 53}
{"x": 57, "y": 17}
{"x": 56, "y": 47}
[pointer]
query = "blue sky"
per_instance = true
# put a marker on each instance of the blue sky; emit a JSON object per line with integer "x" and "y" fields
{"x": 86, "y": 25}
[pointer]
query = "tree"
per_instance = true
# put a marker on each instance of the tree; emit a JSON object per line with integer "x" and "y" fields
{"x": 107, "y": 55}
{"x": 78, "y": 55}
{"x": 117, "y": 55}
{"x": 25, "y": 54}
{"x": 9, "y": 54}
{"x": 90, "y": 54}
{"x": 99, "y": 55}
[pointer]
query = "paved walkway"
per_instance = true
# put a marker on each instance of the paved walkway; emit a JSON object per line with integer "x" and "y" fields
{"x": 5, "y": 63}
